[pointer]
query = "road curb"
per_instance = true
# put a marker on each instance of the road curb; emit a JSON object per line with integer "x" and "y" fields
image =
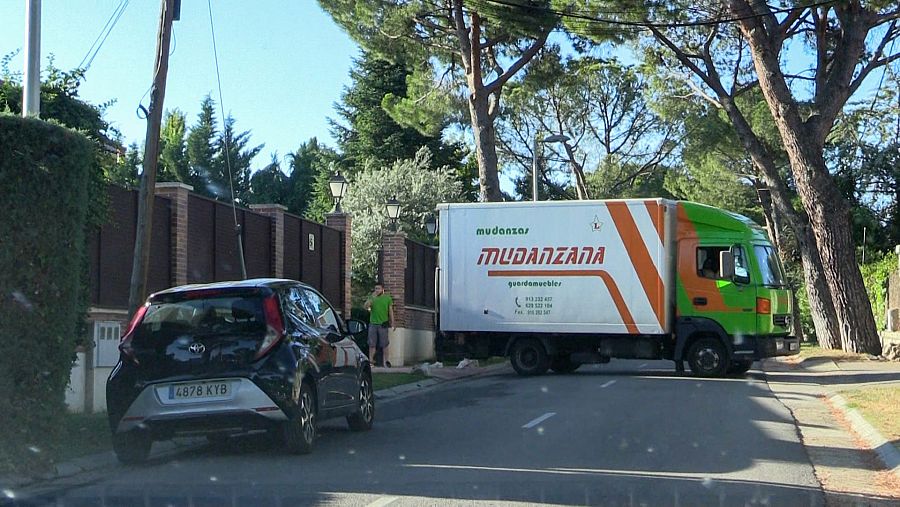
{"x": 885, "y": 450}
{"x": 93, "y": 463}
{"x": 406, "y": 389}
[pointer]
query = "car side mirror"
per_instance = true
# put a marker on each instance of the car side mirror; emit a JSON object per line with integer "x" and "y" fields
{"x": 726, "y": 265}
{"x": 356, "y": 326}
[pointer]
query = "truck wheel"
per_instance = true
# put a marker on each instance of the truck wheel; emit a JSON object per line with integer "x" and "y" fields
{"x": 708, "y": 358}
{"x": 528, "y": 357}
{"x": 739, "y": 368}
{"x": 563, "y": 364}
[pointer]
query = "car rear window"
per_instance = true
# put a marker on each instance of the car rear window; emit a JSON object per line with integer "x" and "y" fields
{"x": 168, "y": 321}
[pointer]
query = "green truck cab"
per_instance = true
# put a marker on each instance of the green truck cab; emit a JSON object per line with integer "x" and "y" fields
{"x": 733, "y": 303}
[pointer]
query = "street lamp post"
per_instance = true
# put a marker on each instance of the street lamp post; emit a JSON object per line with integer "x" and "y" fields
{"x": 555, "y": 138}
{"x": 393, "y": 211}
{"x": 338, "y": 186}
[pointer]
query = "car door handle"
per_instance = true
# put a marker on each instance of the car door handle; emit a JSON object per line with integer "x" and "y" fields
{"x": 699, "y": 301}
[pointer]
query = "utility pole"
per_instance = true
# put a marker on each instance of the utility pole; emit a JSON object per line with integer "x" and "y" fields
{"x": 141, "y": 260}
{"x": 31, "y": 94}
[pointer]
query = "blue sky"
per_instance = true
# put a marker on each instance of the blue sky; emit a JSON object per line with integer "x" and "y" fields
{"x": 283, "y": 64}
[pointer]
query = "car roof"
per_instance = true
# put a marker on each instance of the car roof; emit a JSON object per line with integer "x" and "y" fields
{"x": 231, "y": 284}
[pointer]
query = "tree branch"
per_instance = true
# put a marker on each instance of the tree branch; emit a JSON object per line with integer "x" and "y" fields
{"x": 518, "y": 64}
{"x": 462, "y": 33}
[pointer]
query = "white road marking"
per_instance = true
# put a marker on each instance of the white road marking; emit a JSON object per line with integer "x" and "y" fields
{"x": 611, "y": 382}
{"x": 539, "y": 420}
{"x": 384, "y": 501}
{"x": 643, "y": 365}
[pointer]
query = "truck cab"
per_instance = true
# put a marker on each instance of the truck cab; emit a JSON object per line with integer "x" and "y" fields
{"x": 732, "y": 302}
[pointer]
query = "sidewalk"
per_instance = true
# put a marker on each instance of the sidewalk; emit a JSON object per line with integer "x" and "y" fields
{"x": 838, "y": 441}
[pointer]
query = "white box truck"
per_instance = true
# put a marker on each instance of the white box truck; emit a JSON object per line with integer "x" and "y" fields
{"x": 557, "y": 284}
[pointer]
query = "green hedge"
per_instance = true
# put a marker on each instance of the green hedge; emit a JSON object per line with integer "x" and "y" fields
{"x": 45, "y": 174}
{"x": 875, "y": 275}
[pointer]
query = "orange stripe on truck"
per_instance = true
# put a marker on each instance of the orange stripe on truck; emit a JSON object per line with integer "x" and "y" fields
{"x": 611, "y": 286}
{"x": 640, "y": 257}
{"x": 655, "y": 211}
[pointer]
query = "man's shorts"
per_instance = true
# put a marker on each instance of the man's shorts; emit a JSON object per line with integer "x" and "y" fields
{"x": 378, "y": 336}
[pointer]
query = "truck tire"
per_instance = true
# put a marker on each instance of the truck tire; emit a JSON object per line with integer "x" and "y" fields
{"x": 707, "y": 357}
{"x": 529, "y": 357}
{"x": 739, "y": 368}
{"x": 563, "y": 364}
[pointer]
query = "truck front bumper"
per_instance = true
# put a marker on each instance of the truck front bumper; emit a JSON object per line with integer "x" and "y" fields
{"x": 761, "y": 347}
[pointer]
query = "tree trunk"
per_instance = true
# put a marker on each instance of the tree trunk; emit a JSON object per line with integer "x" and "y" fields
{"x": 485, "y": 146}
{"x": 830, "y": 221}
{"x": 821, "y": 304}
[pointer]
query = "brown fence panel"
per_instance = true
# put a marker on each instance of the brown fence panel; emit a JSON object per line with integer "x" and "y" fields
{"x": 311, "y": 253}
{"x": 420, "y": 265}
{"x": 111, "y": 249}
{"x": 201, "y": 239}
{"x": 228, "y": 264}
{"x": 292, "y": 244}
{"x": 116, "y": 245}
{"x": 332, "y": 263}
{"x": 257, "y": 245}
{"x": 159, "y": 272}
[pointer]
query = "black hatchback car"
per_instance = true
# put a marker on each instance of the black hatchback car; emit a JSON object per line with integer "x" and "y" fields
{"x": 233, "y": 357}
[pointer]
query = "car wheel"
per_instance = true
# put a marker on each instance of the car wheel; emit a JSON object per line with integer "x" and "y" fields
{"x": 300, "y": 431}
{"x": 738, "y": 368}
{"x": 362, "y": 419}
{"x": 528, "y": 357}
{"x": 132, "y": 447}
{"x": 708, "y": 358}
{"x": 563, "y": 364}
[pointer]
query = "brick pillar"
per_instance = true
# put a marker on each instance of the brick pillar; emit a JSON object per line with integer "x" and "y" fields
{"x": 343, "y": 222}
{"x": 178, "y": 194}
{"x": 276, "y": 213}
{"x": 394, "y": 273}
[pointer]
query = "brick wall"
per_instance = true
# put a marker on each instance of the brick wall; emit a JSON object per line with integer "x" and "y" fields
{"x": 343, "y": 222}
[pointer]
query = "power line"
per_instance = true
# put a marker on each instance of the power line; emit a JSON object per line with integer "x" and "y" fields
{"x": 648, "y": 24}
{"x": 225, "y": 136}
{"x": 103, "y": 35}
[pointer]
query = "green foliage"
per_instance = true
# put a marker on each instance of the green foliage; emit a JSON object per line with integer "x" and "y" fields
{"x": 210, "y": 151}
{"x": 875, "y": 275}
{"x": 419, "y": 188}
{"x": 173, "y": 158}
{"x": 46, "y": 170}
{"x": 371, "y": 135}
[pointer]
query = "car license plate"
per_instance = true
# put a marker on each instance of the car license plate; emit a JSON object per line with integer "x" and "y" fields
{"x": 200, "y": 391}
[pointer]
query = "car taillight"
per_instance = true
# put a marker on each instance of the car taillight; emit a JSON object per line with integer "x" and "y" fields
{"x": 274, "y": 325}
{"x": 763, "y": 306}
{"x": 125, "y": 343}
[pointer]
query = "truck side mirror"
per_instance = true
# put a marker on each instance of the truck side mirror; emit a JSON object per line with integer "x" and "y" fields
{"x": 726, "y": 265}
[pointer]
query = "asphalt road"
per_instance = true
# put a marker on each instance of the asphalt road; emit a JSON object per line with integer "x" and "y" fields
{"x": 622, "y": 434}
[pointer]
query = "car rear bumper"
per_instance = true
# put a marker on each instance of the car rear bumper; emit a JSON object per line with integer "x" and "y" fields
{"x": 246, "y": 407}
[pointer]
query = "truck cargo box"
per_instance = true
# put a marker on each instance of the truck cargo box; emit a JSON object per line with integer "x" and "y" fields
{"x": 599, "y": 267}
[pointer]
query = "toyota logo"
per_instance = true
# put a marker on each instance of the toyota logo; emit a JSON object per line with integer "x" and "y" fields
{"x": 197, "y": 348}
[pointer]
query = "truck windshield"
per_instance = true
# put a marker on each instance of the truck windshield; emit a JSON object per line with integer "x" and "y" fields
{"x": 769, "y": 266}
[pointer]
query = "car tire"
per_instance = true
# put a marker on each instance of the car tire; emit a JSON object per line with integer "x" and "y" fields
{"x": 299, "y": 432}
{"x": 132, "y": 447}
{"x": 739, "y": 368}
{"x": 563, "y": 364}
{"x": 707, "y": 357}
{"x": 364, "y": 416}
{"x": 529, "y": 357}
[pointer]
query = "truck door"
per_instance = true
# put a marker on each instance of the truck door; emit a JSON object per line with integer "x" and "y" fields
{"x": 703, "y": 292}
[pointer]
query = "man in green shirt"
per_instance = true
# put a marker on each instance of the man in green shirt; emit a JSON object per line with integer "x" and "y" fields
{"x": 381, "y": 315}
